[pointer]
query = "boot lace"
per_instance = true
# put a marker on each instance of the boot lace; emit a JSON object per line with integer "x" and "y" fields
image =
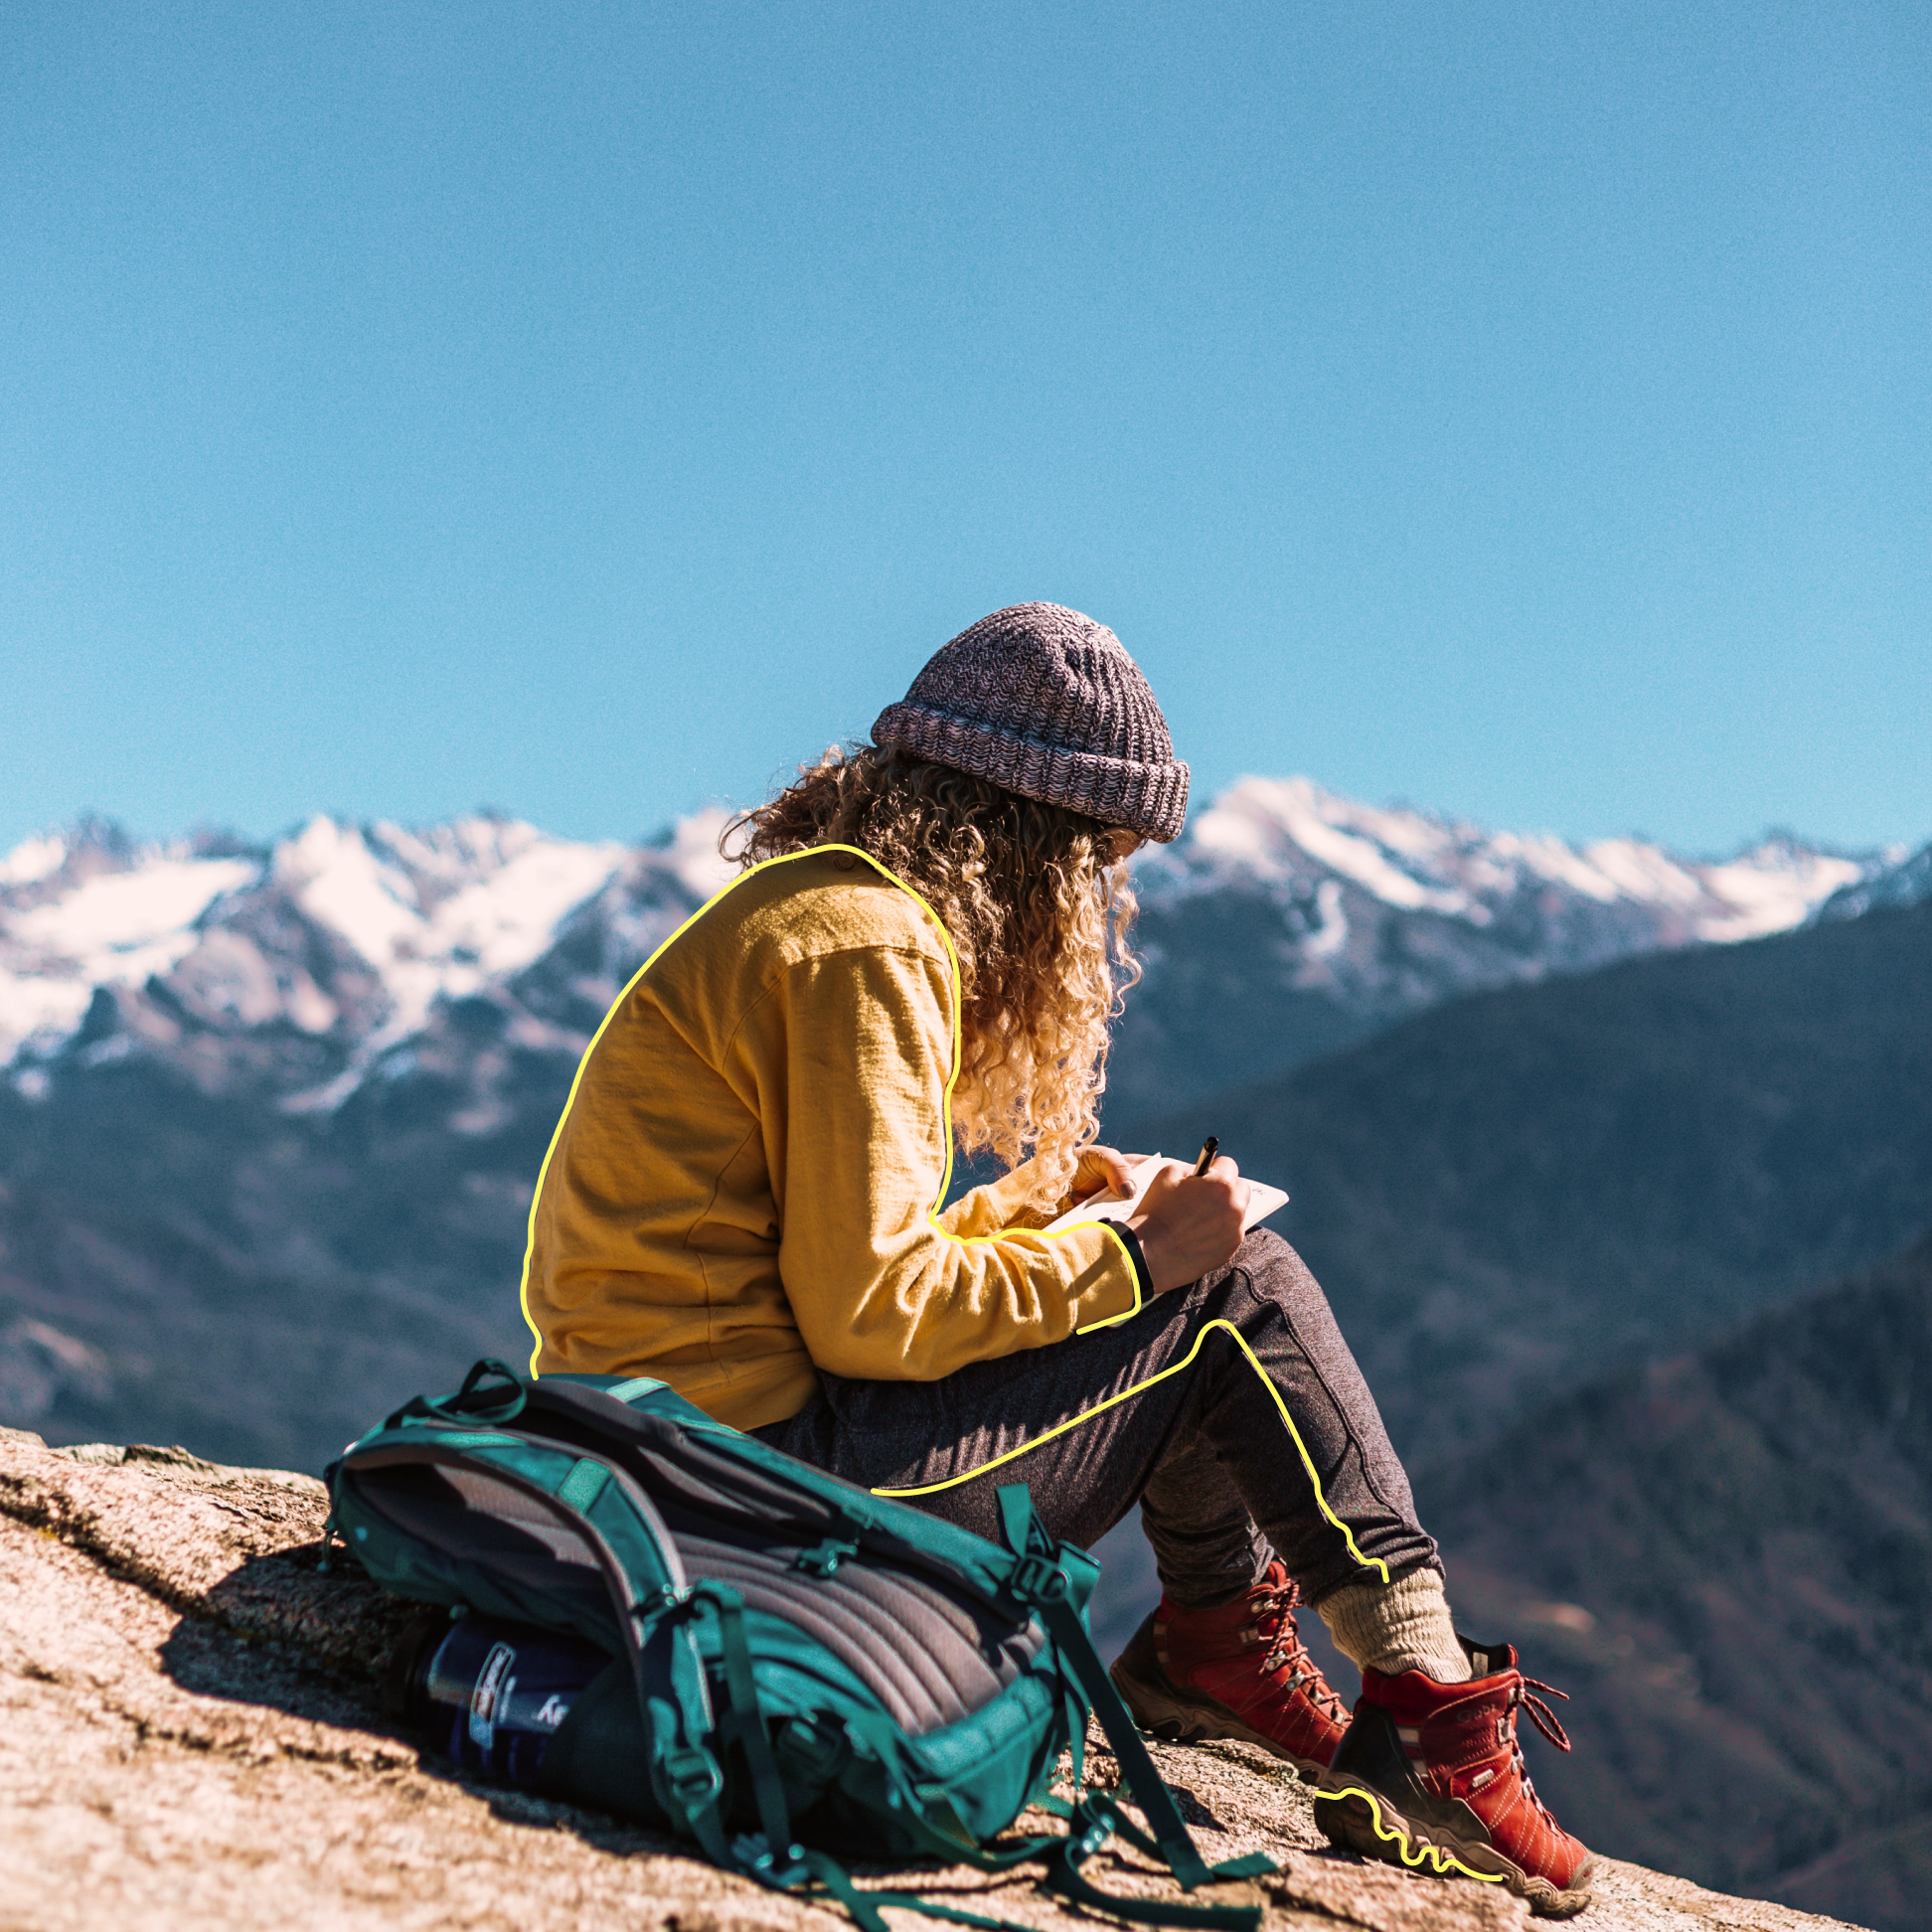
{"x": 1278, "y": 1600}
{"x": 1523, "y": 1695}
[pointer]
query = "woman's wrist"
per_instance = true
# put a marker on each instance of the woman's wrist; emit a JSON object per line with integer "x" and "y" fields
{"x": 1147, "y": 1241}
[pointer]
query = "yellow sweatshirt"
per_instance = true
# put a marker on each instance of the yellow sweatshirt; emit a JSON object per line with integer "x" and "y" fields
{"x": 744, "y": 1186}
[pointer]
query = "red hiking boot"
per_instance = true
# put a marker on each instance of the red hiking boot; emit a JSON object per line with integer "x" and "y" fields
{"x": 1431, "y": 1778}
{"x": 1236, "y": 1670}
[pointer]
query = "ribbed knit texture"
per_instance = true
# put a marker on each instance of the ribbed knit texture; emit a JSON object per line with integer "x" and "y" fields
{"x": 1398, "y": 1626}
{"x": 1047, "y": 703}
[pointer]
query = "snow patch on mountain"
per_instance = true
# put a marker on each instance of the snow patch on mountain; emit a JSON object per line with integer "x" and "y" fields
{"x": 112, "y": 927}
{"x": 33, "y": 858}
{"x": 691, "y": 851}
{"x": 119, "y": 924}
{"x": 439, "y": 914}
{"x": 443, "y": 910}
{"x": 1289, "y": 831}
{"x": 1772, "y": 889}
{"x": 1270, "y": 827}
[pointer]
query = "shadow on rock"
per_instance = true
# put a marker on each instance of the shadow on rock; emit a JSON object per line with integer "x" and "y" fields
{"x": 279, "y": 1631}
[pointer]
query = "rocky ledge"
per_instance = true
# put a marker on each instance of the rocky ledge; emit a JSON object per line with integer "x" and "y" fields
{"x": 192, "y": 1735}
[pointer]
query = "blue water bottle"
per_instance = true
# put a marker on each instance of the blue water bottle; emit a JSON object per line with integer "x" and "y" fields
{"x": 489, "y": 1695}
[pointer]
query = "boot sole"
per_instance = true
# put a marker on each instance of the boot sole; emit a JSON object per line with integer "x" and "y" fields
{"x": 1354, "y": 1818}
{"x": 1163, "y": 1709}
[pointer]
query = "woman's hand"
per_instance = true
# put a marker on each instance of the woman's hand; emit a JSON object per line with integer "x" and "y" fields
{"x": 1102, "y": 1170}
{"x": 1188, "y": 1223}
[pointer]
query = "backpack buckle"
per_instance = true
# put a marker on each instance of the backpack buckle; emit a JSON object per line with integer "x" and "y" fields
{"x": 826, "y": 1558}
{"x": 1093, "y": 1840}
{"x": 753, "y": 1852}
{"x": 1037, "y": 1579}
{"x": 694, "y": 1778}
{"x": 817, "y": 1751}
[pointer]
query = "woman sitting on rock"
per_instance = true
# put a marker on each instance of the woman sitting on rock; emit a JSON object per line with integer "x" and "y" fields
{"x": 743, "y": 1199}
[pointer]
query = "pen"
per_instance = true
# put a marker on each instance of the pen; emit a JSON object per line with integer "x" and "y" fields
{"x": 1209, "y": 1149}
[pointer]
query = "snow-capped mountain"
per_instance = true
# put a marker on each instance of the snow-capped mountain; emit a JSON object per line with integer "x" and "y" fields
{"x": 1288, "y": 833}
{"x": 309, "y": 960}
{"x": 1292, "y": 922}
{"x": 308, "y": 965}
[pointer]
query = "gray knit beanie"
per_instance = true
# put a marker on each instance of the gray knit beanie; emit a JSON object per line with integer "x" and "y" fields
{"x": 1047, "y": 703}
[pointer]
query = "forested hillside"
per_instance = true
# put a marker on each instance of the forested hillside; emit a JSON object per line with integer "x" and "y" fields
{"x": 1513, "y": 1193}
{"x": 1726, "y": 1560}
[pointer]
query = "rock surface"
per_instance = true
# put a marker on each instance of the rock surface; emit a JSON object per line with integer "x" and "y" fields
{"x": 190, "y": 1736}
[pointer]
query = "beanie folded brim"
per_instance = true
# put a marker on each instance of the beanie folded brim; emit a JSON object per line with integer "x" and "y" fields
{"x": 1151, "y": 799}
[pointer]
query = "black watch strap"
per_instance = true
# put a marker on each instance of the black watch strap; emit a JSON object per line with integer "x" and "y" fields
{"x": 1142, "y": 1272}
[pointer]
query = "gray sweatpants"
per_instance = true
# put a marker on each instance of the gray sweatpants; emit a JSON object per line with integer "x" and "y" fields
{"x": 1231, "y": 1412}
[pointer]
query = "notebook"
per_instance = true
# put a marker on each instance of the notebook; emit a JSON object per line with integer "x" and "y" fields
{"x": 1261, "y": 1200}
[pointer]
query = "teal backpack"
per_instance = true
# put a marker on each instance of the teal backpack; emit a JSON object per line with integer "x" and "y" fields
{"x": 745, "y": 1651}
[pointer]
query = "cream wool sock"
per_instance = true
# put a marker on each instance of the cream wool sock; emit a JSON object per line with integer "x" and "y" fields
{"x": 1397, "y": 1626}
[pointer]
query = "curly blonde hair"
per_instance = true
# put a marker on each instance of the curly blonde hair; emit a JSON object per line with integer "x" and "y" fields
{"x": 1039, "y": 906}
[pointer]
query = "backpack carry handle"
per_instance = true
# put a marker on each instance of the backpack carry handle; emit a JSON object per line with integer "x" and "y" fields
{"x": 471, "y": 1404}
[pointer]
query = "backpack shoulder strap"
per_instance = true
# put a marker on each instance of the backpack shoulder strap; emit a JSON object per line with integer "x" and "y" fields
{"x": 1039, "y": 1580}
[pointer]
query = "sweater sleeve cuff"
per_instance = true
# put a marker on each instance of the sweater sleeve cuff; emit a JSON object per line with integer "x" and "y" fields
{"x": 1142, "y": 1274}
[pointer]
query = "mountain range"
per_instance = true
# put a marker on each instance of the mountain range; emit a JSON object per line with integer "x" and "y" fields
{"x": 1288, "y": 921}
{"x": 300, "y": 969}
{"x": 263, "y": 1105}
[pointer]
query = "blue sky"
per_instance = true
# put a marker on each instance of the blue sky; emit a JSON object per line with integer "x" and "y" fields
{"x": 588, "y": 410}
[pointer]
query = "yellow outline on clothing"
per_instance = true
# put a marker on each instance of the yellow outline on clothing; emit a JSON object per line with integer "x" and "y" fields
{"x": 1428, "y": 1855}
{"x": 1161, "y": 1375}
{"x": 952, "y": 1077}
